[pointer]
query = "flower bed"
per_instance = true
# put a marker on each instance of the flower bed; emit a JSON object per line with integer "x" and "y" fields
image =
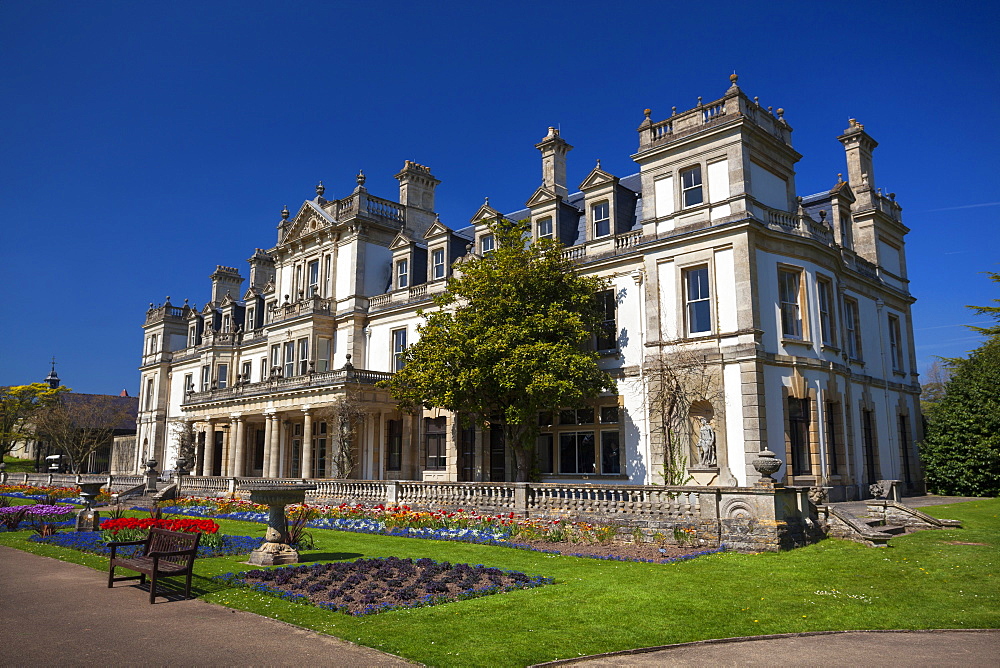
{"x": 369, "y": 586}
{"x": 94, "y": 542}
{"x": 579, "y": 539}
{"x": 11, "y": 517}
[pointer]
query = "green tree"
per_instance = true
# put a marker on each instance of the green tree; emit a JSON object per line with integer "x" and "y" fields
{"x": 508, "y": 341}
{"x": 78, "y": 424}
{"x": 19, "y": 404}
{"x": 961, "y": 451}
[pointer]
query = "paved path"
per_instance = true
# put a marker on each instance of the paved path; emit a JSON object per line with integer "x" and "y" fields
{"x": 59, "y": 614}
{"x": 912, "y": 649}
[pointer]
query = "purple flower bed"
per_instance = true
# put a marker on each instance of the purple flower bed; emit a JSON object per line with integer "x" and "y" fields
{"x": 12, "y": 517}
{"x": 93, "y": 542}
{"x": 370, "y": 586}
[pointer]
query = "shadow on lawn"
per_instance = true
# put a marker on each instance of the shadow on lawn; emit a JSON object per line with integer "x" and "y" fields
{"x": 308, "y": 557}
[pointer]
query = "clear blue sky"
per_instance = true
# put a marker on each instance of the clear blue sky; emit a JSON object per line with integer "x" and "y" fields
{"x": 143, "y": 143}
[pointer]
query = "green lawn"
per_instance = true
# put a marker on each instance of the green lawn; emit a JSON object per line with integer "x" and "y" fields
{"x": 922, "y": 581}
{"x": 15, "y": 465}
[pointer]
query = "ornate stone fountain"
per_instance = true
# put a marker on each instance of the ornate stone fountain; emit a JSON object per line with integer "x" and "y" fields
{"x": 276, "y": 551}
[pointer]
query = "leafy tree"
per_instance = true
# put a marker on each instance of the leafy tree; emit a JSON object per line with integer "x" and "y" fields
{"x": 508, "y": 341}
{"x": 932, "y": 389}
{"x": 78, "y": 424}
{"x": 19, "y": 404}
{"x": 346, "y": 415}
{"x": 961, "y": 452}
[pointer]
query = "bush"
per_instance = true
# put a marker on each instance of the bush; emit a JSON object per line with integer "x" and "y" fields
{"x": 961, "y": 451}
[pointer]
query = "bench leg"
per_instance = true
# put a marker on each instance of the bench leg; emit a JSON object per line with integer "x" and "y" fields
{"x": 111, "y": 577}
{"x": 152, "y": 587}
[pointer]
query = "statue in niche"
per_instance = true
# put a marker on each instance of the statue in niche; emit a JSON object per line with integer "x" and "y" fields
{"x": 706, "y": 445}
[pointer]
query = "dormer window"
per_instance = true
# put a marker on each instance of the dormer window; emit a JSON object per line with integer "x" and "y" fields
{"x": 402, "y": 274}
{"x": 226, "y": 323}
{"x": 600, "y": 215}
{"x": 691, "y": 186}
{"x": 192, "y": 336}
{"x": 487, "y": 244}
{"x": 250, "y": 323}
{"x": 545, "y": 228}
{"x": 437, "y": 264}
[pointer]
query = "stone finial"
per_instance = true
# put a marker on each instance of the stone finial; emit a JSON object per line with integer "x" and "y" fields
{"x": 781, "y": 114}
{"x": 347, "y": 364}
{"x": 892, "y": 196}
{"x": 840, "y": 178}
{"x": 699, "y": 100}
{"x": 320, "y": 189}
{"x": 487, "y": 202}
{"x": 673, "y": 111}
{"x": 822, "y": 215}
{"x": 756, "y": 100}
{"x": 361, "y": 178}
{"x": 733, "y": 78}
{"x": 284, "y": 213}
{"x": 770, "y": 110}
{"x": 647, "y": 113}
{"x": 598, "y": 163}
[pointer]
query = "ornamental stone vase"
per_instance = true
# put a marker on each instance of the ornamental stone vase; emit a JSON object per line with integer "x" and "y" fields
{"x": 766, "y": 465}
{"x": 88, "y": 519}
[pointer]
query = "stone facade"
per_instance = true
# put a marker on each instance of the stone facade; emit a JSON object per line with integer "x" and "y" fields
{"x": 786, "y": 319}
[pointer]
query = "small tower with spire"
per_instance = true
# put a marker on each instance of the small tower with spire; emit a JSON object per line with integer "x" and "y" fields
{"x": 52, "y": 379}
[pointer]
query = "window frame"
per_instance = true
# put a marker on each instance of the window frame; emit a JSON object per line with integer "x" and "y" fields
{"x": 402, "y": 273}
{"x": 222, "y": 376}
{"x": 438, "y": 441}
{"x": 601, "y": 226}
{"x": 289, "y": 359}
{"x": 247, "y": 371}
{"x": 705, "y": 300}
{"x": 483, "y": 249}
{"x": 546, "y": 221}
{"x": 895, "y": 343}
{"x": 312, "y": 276}
{"x": 394, "y": 445}
{"x": 799, "y": 423}
{"x": 303, "y": 359}
{"x": 601, "y": 423}
{"x": 206, "y": 377}
{"x": 695, "y": 187}
{"x": 827, "y": 317}
{"x": 437, "y": 264}
{"x": 398, "y": 339}
{"x": 800, "y": 323}
{"x": 852, "y": 327}
{"x": 609, "y": 325}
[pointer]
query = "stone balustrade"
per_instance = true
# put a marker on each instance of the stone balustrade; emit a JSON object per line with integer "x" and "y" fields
{"x": 113, "y": 482}
{"x": 764, "y": 517}
{"x": 317, "y": 379}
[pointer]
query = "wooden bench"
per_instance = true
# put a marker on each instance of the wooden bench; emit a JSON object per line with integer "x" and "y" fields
{"x": 165, "y": 554}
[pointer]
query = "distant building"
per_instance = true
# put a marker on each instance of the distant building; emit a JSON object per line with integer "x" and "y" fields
{"x": 48, "y": 457}
{"x": 798, "y": 308}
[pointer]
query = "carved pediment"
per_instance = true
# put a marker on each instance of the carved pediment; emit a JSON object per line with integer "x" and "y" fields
{"x": 541, "y": 196}
{"x": 401, "y": 242}
{"x": 209, "y": 309}
{"x": 436, "y": 229}
{"x": 486, "y": 212}
{"x": 309, "y": 218}
{"x": 597, "y": 177}
{"x": 843, "y": 190}
{"x": 269, "y": 288}
{"x": 229, "y": 300}
{"x": 250, "y": 294}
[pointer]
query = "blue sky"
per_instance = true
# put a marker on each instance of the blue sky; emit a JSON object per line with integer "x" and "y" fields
{"x": 144, "y": 143}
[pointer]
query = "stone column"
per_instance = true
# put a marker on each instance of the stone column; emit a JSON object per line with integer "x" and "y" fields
{"x": 275, "y": 442}
{"x": 208, "y": 463}
{"x": 307, "y": 443}
{"x": 265, "y": 469}
{"x": 238, "y": 462}
{"x": 224, "y": 466}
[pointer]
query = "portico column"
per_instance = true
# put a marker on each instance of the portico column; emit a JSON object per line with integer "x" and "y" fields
{"x": 272, "y": 469}
{"x": 307, "y": 443}
{"x": 265, "y": 470}
{"x": 208, "y": 463}
{"x": 224, "y": 467}
{"x": 238, "y": 461}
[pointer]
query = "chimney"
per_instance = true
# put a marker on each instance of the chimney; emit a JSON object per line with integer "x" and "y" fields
{"x": 225, "y": 280}
{"x": 261, "y": 268}
{"x": 554, "y": 149}
{"x": 416, "y": 186}
{"x": 859, "y": 145}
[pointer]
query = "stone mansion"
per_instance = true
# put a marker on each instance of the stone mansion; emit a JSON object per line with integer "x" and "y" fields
{"x": 797, "y": 309}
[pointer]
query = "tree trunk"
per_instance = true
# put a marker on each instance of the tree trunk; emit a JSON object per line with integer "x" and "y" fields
{"x": 515, "y": 436}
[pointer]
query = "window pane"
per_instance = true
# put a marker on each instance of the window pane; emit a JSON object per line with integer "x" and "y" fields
{"x": 544, "y": 228}
{"x": 585, "y": 416}
{"x": 567, "y": 453}
{"x": 585, "y": 452}
{"x": 610, "y": 455}
{"x": 567, "y": 417}
{"x": 543, "y": 445}
{"x": 609, "y": 414}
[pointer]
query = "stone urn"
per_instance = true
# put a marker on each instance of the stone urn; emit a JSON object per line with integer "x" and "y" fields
{"x": 276, "y": 550}
{"x": 766, "y": 465}
{"x": 88, "y": 519}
